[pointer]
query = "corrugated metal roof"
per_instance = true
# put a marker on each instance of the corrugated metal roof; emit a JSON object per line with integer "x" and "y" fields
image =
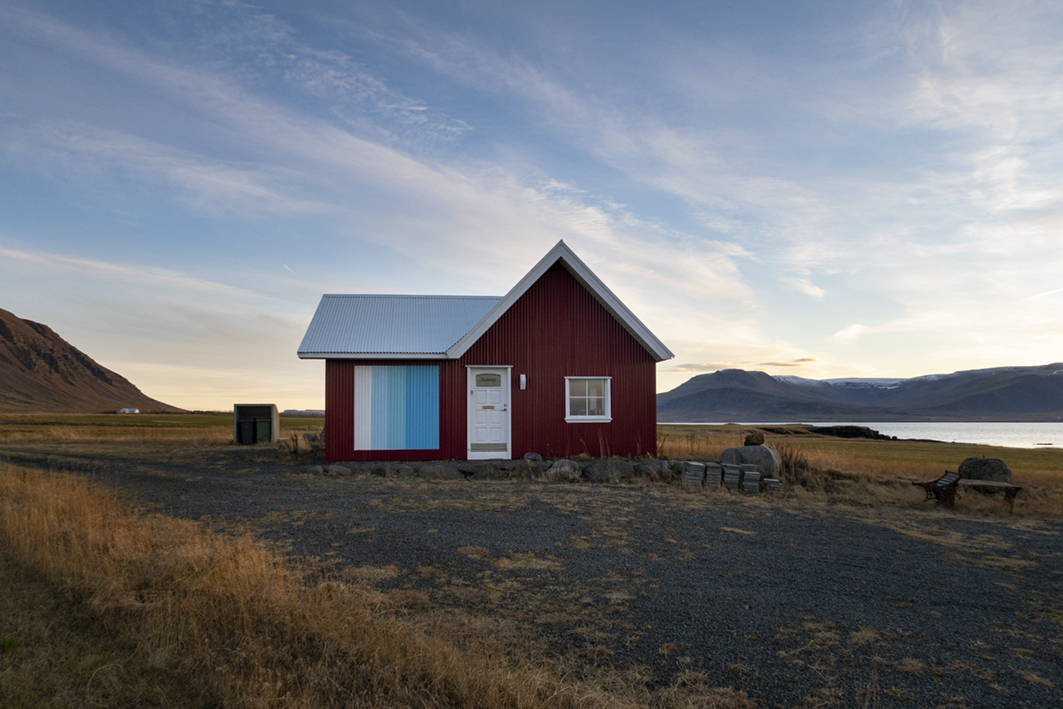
{"x": 391, "y": 325}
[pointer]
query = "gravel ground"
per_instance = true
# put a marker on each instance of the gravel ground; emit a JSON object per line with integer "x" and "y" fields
{"x": 797, "y": 604}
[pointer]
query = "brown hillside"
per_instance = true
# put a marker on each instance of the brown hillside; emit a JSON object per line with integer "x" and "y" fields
{"x": 42, "y": 372}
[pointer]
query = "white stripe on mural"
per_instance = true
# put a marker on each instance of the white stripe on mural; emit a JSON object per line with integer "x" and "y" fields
{"x": 363, "y": 408}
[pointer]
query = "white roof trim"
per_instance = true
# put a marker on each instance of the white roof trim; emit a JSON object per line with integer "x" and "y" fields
{"x": 370, "y": 355}
{"x": 591, "y": 282}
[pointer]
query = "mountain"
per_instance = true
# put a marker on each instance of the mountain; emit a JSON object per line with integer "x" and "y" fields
{"x": 42, "y": 372}
{"x": 999, "y": 394}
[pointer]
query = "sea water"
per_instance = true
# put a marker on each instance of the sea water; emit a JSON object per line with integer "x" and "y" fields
{"x": 1034, "y": 434}
{"x": 1012, "y": 435}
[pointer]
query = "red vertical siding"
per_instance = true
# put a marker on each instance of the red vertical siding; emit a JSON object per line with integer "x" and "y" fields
{"x": 556, "y": 329}
{"x": 339, "y": 411}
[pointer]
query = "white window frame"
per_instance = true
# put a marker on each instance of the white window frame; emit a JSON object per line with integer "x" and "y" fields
{"x": 590, "y": 419}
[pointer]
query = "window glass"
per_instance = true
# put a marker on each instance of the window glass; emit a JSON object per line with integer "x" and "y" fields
{"x": 588, "y": 398}
{"x": 595, "y": 387}
{"x": 488, "y": 380}
{"x": 596, "y": 406}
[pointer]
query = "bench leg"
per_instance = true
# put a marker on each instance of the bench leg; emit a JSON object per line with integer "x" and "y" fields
{"x": 928, "y": 488}
{"x": 1009, "y": 497}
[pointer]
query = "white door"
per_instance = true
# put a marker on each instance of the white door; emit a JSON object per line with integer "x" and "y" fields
{"x": 489, "y": 413}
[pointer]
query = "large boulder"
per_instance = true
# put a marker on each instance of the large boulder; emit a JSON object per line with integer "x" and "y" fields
{"x": 766, "y": 458}
{"x": 985, "y": 469}
{"x": 605, "y": 469}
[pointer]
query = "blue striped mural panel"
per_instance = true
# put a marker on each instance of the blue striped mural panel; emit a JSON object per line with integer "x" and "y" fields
{"x": 396, "y": 407}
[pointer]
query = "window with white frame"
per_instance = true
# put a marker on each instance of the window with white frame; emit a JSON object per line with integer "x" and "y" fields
{"x": 587, "y": 399}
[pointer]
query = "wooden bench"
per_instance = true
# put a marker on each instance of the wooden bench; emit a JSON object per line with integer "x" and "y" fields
{"x": 943, "y": 489}
{"x": 1010, "y": 491}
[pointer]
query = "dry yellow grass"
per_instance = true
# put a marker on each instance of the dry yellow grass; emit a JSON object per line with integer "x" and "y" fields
{"x": 254, "y": 631}
{"x": 863, "y": 471}
{"x": 54, "y": 654}
{"x": 695, "y": 443}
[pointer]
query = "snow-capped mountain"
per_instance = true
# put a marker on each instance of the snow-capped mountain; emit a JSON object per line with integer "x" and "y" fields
{"x": 997, "y": 394}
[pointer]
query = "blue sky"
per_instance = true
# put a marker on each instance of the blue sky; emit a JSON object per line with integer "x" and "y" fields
{"x": 821, "y": 189}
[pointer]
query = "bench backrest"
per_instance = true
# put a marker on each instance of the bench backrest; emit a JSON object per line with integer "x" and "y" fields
{"x": 949, "y": 478}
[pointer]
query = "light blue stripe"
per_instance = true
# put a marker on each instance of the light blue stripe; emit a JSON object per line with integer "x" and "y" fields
{"x": 396, "y": 420}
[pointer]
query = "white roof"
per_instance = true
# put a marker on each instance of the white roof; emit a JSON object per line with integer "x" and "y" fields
{"x": 390, "y": 326}
{"x": 443, "y": 327}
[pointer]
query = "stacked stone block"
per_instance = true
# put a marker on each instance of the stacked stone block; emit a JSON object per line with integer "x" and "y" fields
{"x": 713, "y": 475}
{"x": 693, "y": 474}
{"x": 732, "y": 477}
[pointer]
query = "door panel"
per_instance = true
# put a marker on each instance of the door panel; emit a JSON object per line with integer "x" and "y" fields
{"x": 489, "y": 414}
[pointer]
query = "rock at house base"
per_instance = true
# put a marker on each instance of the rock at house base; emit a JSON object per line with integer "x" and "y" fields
{"x": 653, "y": 469}
{"x": 565, "y": 470}
{"x": 606, "y": 469}
{"x": 439, "y": 471}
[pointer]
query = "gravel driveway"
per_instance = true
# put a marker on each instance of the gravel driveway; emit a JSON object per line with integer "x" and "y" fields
{"x": 798, "y": 604}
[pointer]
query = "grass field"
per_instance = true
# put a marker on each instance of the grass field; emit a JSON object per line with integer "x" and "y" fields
{"x": 186, "y": 428}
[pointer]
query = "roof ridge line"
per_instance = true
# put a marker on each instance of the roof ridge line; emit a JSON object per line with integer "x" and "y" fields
{"x": 408, "y": 295}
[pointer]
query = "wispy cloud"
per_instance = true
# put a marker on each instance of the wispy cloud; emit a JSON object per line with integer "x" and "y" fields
{"x": 804, "y": 361}
{"x": 1042, "y": 295}
{"x": 74, "y": 151}
{"x": 701, "y": 368}
{"x": 129, "y": 273}
{"x": 850, "y": 333}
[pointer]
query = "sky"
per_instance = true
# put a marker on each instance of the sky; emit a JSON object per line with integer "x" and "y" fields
{"x": 821, "y": 189}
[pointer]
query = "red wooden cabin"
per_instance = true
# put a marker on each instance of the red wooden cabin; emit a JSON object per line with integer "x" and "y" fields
{"x": 559, "y": 366}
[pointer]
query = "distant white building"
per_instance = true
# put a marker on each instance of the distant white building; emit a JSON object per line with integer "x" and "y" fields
{"x": 129, "y": 411}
